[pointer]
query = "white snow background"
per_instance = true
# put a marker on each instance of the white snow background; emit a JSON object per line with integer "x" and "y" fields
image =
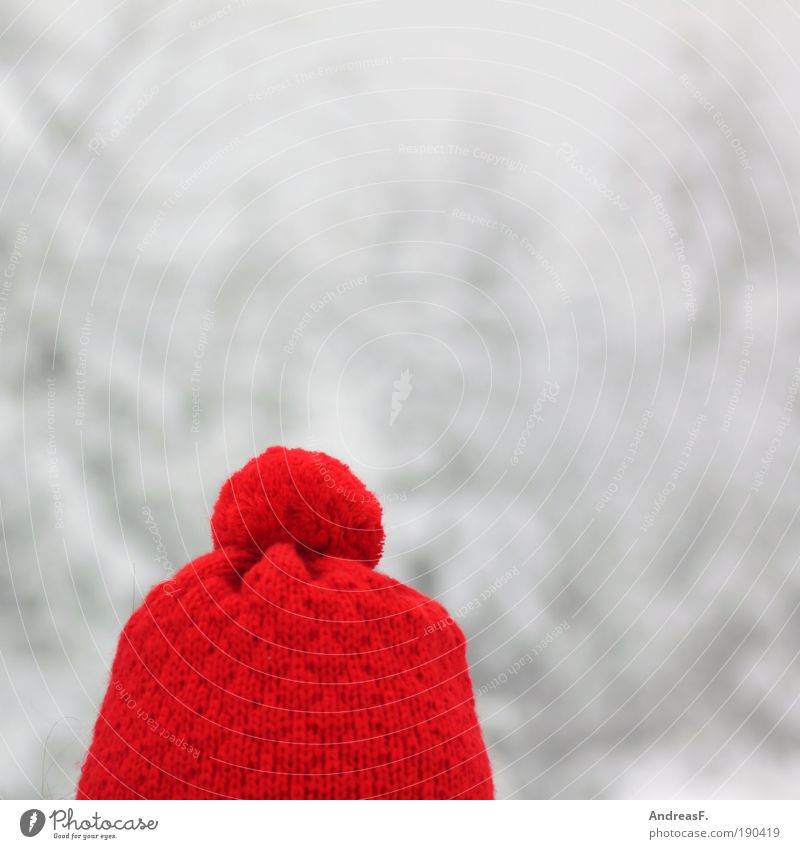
{"x": 564, "y": 235}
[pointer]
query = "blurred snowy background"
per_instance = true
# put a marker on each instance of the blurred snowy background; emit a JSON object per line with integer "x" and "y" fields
{"x": 531, "y": 268}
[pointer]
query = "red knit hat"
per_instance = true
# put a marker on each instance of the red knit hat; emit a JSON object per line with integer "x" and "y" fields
{"x": 281, "y": 666}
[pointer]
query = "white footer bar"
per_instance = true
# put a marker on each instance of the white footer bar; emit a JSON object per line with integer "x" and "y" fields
{"x": 403, "y": 825}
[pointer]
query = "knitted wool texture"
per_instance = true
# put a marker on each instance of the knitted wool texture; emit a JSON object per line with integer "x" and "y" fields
{"x": 281, "y": 666}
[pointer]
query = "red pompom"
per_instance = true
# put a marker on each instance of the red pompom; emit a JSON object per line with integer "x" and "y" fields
{"x": 303, "y": 497}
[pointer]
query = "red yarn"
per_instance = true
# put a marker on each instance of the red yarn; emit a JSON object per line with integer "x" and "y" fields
{"x": 279, "y": 667}
{"x": 303, "y": 497}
